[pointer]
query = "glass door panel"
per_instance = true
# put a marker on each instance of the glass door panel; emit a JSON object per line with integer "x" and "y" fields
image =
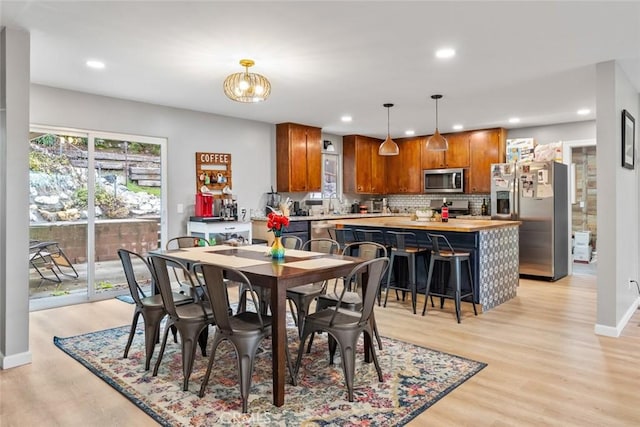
{"x": 58, "y": 216}
{"x": 128, "y": 205}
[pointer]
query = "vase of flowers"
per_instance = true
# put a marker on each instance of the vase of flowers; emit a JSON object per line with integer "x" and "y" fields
{"x": 277, "y": 223}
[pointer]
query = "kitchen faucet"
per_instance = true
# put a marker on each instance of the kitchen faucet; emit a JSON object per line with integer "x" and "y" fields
{"x": 331, "y": 201}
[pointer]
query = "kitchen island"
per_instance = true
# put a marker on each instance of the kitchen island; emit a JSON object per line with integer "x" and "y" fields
{"x": 493, "y": 246}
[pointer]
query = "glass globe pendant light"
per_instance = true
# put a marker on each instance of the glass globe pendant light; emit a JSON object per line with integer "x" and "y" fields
{"x": 388, "y": 147}
{"x": 246, "y": 86}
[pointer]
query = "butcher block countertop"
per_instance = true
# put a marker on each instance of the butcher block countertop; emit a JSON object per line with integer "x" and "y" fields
{"x": 459, "y": 225}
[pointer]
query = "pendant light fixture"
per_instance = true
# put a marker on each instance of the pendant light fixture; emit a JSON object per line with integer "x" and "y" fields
{"x": 437, "y": 142}
{"x": 246, "y": 86}
{"x": 388, "y": 147}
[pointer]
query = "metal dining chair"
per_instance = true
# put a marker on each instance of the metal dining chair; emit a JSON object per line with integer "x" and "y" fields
{"x": 302, "y": 296}
{"x": 244, "y": 330}
{"x": 150, "y": 307}
{"x": 344, "y": 327}
{"x": 191, "y": 320}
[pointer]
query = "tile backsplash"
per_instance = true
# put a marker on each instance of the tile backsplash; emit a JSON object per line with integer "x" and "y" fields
{"x": 409, "y": 203}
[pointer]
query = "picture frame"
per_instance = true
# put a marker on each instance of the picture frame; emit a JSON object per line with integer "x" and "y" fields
{"x": 628, "y": 140}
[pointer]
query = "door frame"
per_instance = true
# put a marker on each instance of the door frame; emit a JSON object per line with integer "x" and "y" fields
{"x": 567, "y": 146}
{"x": 91, "y": 135}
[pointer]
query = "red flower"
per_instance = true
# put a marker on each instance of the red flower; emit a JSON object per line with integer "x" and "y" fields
{"x": 277, "y": 223}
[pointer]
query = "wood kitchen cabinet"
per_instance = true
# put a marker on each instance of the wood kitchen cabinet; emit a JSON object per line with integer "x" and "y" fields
{"x": 457, "y": 156}
{"x": 485, "y": 147}
{"x": 363, "y": 169}
{"x": 298, "y": 158}
{"x": 404, "y": 171}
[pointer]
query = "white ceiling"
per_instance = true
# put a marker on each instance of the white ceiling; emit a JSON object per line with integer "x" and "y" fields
{"x": 533, "y": 60}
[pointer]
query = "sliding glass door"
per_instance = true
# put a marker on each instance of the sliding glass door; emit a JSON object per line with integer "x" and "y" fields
{"x": 79, "y": 220}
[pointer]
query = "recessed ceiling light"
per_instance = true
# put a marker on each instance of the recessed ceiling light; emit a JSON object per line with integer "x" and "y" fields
{"x": 98, "y": 65}
{"x": 445, "y": 53}
{"x": 583, "y": 112}
{"x": 514, "y": 120}
{"x": 346, "y": 119}
{"x": 458, "y": 127}
{"x": 410, "y": 132}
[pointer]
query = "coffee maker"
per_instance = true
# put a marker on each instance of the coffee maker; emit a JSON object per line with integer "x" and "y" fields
{"x": 229, "y": 209}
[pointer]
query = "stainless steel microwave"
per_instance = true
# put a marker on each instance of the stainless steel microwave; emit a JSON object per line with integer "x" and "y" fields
{"x": 444, "y": 180}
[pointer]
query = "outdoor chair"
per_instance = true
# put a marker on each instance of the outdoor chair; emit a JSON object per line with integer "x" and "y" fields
{"x": 50, "y": 256}
{"x": 244, "y": 331}
{"x": 344, "y": 327}
{"x": 191, "y": 320}
{"x": 150, "y": 307}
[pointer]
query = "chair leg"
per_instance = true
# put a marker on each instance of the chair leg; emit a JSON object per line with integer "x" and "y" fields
{"x": 473, "y": 302}
{"x": 455, "y": 278}
{"x": 347, "y": 343}
{"x": 374, "y": 357}
{"x": 293, "y": 312}
{"x": 375, "y": 331}
{"x": 189, "y": 342}
{"x": 428, "y": 288}
{"x": 151, "y": 332}
{"x": 162, "y": 347}
{"x": 246, "y": 350}
{"x": 216, "y": 340}
{"x": 411, "y": 261}
{"x": 386, "y": 294}
{"x": 132, "y": 332}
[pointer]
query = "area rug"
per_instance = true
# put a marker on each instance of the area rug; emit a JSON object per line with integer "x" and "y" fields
{"x": 414, "y": 379}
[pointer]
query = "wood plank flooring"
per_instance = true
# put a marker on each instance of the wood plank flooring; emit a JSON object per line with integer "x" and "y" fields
{"x": 545, "y": 364}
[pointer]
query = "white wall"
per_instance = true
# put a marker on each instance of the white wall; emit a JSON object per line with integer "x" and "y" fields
{"x": 618, "y": 212}
{"x": 251, "y": 144}
{"x": 14, "y": 198}
{"x": 559, "y": 132}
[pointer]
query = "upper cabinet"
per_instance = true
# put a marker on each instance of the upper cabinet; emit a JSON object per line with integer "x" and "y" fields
{"x": 404, "y": 171}
{"x": 298, "y": 158}
{"x": 457, "y": 156}
{"x": 485, "y": 147}
{"x": 363, "y": 169}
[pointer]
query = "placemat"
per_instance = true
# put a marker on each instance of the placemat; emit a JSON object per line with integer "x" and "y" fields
{"x": 310, "y": 264}
{"x": 225, "y": 260}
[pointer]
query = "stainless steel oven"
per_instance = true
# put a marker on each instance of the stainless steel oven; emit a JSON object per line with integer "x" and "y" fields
{"x": 444, "y": 180}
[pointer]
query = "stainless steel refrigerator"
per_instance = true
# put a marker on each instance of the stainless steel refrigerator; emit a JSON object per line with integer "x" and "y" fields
{"x": 535, "y": 193}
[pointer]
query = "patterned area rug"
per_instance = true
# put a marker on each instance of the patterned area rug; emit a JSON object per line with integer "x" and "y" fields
{"x": 414, "y": 379}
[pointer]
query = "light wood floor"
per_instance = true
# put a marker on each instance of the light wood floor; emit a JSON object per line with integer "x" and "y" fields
{"x": 545, "y": 364}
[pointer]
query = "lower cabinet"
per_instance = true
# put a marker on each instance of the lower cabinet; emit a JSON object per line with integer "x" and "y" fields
{"x": 296, "y": 228}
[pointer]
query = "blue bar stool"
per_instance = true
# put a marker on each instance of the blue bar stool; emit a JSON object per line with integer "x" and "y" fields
{"x": 404, "y": 244}
{"x": 454, "y": 288}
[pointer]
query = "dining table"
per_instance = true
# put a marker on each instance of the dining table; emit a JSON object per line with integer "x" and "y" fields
{"x": 297, "y": 268}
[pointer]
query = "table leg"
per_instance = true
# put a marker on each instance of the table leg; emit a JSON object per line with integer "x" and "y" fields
{"x": 279, "y": 341}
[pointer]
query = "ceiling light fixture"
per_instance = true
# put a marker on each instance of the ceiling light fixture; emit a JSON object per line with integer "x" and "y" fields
{"x": 458, "y": 127}
{"x": 410, "y": 132}
{"x": 98, "y": 65}
{"x": 437, "y": 142}
{"x": 388, "y": 147}
{"x": 346, "y": 119}
{"x": 514, "y": 120}
{"x": 445, "y": 53}
{"x": 583, "y": 112}
{"x": 246, "y": 86}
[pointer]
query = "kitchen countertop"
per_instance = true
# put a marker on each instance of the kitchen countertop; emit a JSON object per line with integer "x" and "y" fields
{"x": 330, "y": 217}
{"x": 459, "y": 225}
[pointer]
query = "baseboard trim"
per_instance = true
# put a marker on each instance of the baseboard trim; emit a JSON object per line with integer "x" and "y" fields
{"x": 610, "y": 331}
{"x": 8, "y": 362}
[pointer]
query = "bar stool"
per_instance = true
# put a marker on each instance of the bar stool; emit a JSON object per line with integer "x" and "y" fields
{"x": 455, "y": 259}
{"x": 404, "y": 244}
{"x": 343, "y": 236}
